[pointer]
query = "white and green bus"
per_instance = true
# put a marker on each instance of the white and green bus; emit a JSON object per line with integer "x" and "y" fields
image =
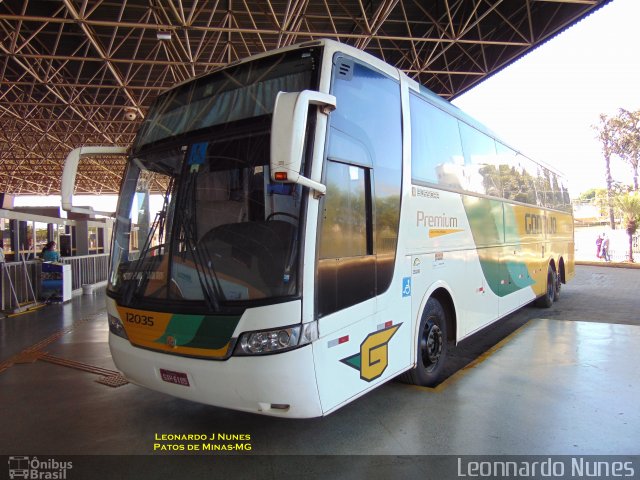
{"x": 326, "y": 224}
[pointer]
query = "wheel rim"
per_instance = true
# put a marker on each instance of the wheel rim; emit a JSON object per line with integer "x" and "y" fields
{"x": 431, "y": 345}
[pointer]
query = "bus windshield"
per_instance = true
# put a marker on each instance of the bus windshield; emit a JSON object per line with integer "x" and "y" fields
{"x": 199, "y": 222}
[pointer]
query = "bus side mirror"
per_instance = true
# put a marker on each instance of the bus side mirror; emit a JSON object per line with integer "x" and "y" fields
{"x": 288, "y": 130}
{"x": 71, "y": 169}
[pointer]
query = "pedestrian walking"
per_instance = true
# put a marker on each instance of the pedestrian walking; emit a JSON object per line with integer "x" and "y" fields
{"x": 598, "y": 246}
{"x": 604, "y": 249}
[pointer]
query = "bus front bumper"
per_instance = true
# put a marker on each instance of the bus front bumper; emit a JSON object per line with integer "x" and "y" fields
{"x": 282, "y": 385}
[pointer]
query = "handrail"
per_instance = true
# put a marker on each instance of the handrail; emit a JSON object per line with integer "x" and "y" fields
{"x": 15, "y": 271}
{"x": 69, "y": 259}
{"x": 85, "y": 269}
{"x": 88, "y": 269}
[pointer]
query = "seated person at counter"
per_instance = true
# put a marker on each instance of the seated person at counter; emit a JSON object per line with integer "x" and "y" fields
{"x": 49, "y": 252}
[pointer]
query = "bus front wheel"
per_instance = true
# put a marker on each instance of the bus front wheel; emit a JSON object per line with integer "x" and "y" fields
{"x": 431, "y": 347}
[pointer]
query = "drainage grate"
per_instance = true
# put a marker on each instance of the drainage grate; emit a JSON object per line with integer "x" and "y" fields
{"x": 78, "y": 365}
{"x": 114, "y": 381}
{"x": 108, "y": 377}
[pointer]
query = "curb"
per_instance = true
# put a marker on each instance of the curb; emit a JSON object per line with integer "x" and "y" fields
{"x": 608, "y": 264}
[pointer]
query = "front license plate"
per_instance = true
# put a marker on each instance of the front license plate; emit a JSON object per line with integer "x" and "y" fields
{"x": 178, "y": 378}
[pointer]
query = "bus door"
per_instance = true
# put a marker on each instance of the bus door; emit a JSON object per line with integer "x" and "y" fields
{"x": 345, "y": 279}
{"x": 358, "y": 224}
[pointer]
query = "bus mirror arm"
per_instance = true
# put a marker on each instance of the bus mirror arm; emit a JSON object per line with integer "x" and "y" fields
{"x": 288, "y": 132}
{"x": 70, "y": 171}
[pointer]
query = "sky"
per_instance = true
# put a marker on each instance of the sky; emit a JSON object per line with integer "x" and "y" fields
{"x": 545, "y": 103}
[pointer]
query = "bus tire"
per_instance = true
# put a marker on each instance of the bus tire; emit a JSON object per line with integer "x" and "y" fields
{"x": 546, "y": 300}
{"x": 431, "y": 347}
{"x": 556, "y": 294}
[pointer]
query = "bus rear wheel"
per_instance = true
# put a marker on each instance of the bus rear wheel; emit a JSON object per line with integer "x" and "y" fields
{"x": 546, "y": 300}
{"x": 431, "y": 348}
{"x": 556, "y": 296}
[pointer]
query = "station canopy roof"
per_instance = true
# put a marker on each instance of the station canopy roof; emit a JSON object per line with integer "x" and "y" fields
{"x": 71, "y": 70}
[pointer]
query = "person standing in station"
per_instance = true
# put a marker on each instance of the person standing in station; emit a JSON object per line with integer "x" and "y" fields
{"x": 49, "y": 252}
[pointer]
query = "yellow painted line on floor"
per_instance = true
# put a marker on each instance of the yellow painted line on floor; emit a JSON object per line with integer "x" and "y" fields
{"x": 26, "y": 310}
{"x": 477, "y": 361}
{"x": 35, "y": 349}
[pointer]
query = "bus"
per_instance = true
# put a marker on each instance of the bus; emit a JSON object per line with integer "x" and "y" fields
{"x": 298, "y": 228}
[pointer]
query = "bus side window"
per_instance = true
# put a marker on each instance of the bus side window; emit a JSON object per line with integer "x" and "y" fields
{"x": 543, "y": 187}
{"x": 344, "y": 216}
{"x": 346, "y": 266}
{"x": 530, "y": 190}
{"x": 481, "y": 170}
{"x": 511, "y": 182}
{"x": 436, "y": 148}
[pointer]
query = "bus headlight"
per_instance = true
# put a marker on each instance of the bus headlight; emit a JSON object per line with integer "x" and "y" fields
{"x": 277, "y": 340}
{"x": 116, "y": 327}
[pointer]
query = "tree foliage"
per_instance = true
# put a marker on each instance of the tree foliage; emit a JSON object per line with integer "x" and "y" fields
{"x": 599, "y": 197}
{"x": 626, "y": 139}
{"x": 606, "y": 134}
{"x": 619, "y": 135}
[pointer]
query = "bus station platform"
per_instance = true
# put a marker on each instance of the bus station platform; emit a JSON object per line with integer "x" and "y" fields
{"x": 560, "y": 381}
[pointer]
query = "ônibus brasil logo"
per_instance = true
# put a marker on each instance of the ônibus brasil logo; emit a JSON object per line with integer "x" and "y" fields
{"x": 33, "y": 468}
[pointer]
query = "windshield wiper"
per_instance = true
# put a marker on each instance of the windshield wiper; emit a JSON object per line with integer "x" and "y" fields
{"x": 142, "y": 264}
{"x": 208, "y": 279}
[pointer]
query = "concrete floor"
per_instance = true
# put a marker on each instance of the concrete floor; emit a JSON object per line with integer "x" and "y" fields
{"x": 561, "y": 381}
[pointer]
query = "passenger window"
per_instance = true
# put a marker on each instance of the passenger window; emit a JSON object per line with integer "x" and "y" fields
{"x": 510, "y": 173}
{"x": 481, "y": 173}
{"x": 566, "y": 200}
{"x": 344, "y": 216}
{"x": 346, "y": 266}
{"x": 435, "y": 146}
{"x": 528, "y": 191}
{"x": 367, "y": 119}
{"x": 558, "y": 201}
{"x": 543, "y": 187}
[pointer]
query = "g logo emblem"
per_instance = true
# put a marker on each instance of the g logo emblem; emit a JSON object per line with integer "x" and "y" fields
{"x": 373, "y": 358}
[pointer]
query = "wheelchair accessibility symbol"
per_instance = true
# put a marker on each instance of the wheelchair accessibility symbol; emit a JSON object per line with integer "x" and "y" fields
{"x": 406, "y": 287}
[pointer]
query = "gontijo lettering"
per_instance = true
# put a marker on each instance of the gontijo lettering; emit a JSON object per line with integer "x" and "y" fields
{"x": 536, "y": 224}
